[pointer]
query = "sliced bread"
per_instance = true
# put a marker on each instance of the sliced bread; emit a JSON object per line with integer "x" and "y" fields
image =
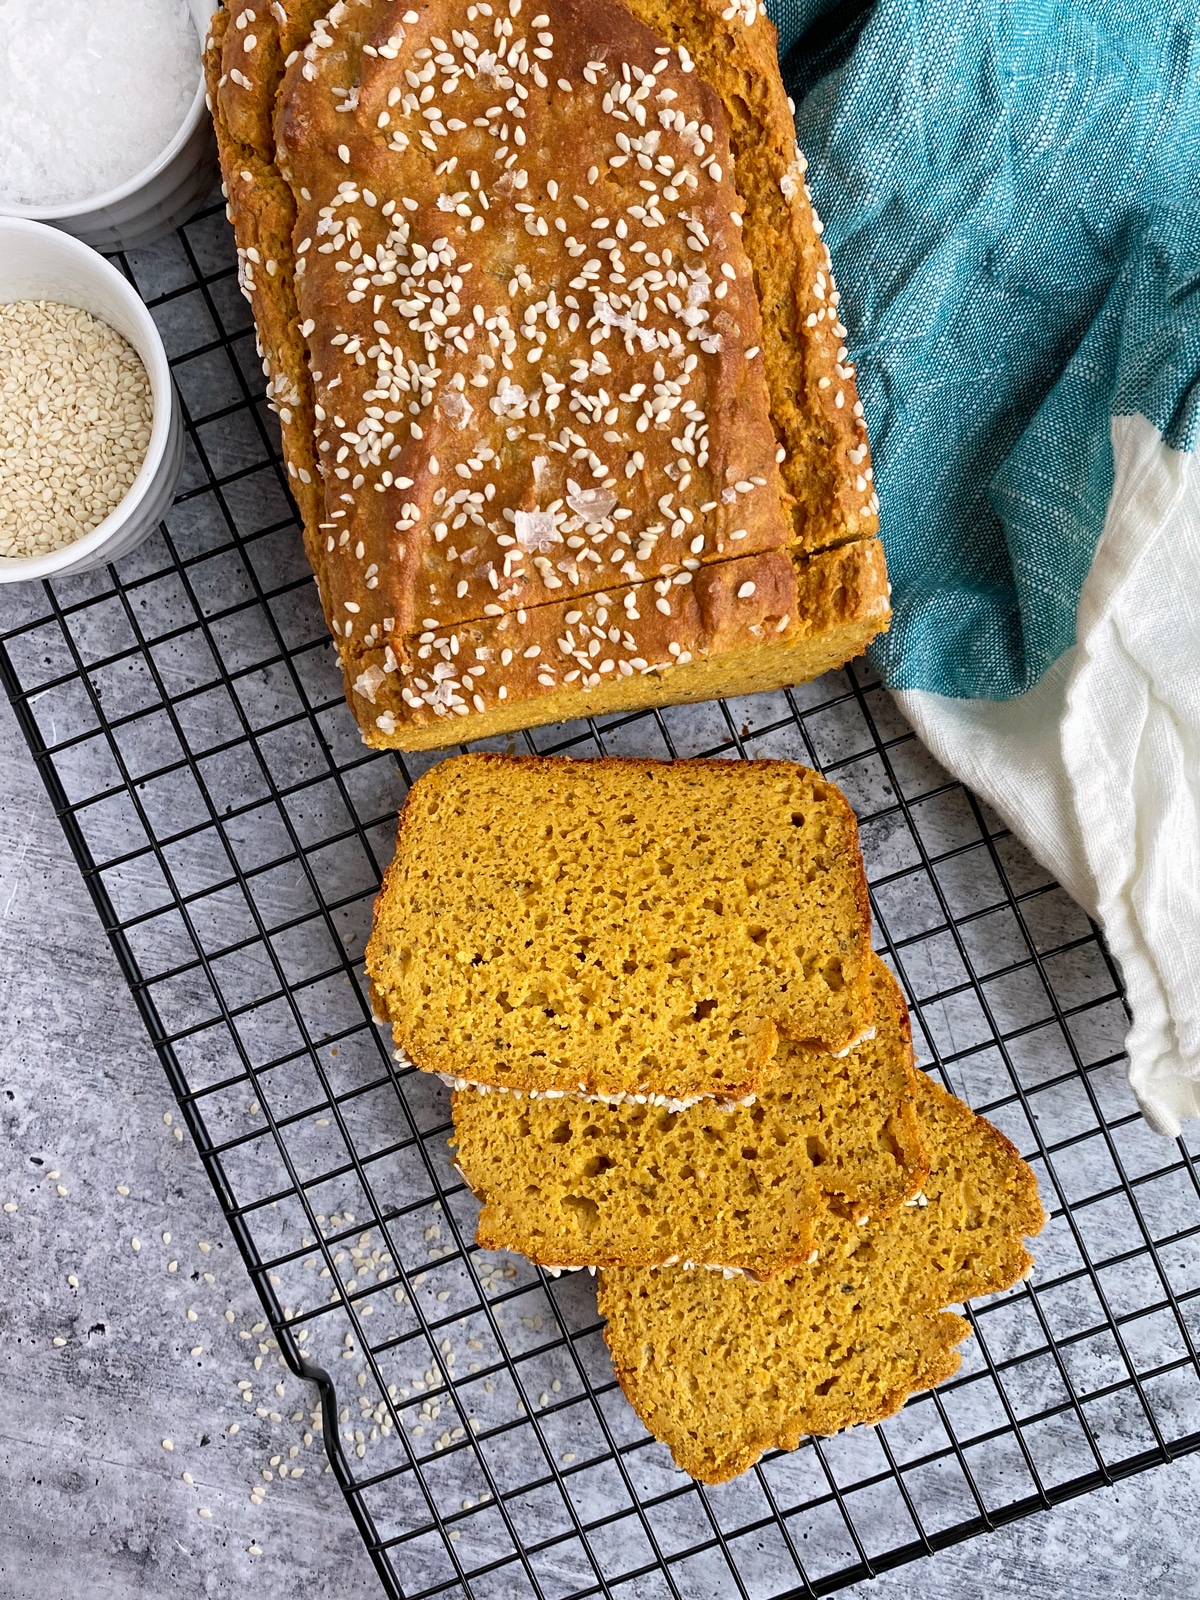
{"x": 722, "y": 1369}
{"x": 573, "y": 1182}
{"x": 621, "y": 927}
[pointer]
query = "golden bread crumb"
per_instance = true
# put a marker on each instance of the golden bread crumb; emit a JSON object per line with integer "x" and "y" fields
{"x": 572, "y": 1182}
{"x": 621, "y": 926}
{"x": 723, "y": 1369}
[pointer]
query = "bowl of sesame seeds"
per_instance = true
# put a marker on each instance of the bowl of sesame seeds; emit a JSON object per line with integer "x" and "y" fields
{"x": 91, "y": 436}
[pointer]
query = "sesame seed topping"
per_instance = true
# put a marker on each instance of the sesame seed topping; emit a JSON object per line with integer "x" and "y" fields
{"x": 569, "y": 404}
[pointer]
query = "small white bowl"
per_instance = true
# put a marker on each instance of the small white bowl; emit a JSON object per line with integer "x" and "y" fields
{"x": 40, "y": 263}
{"x": 159, "y": 197}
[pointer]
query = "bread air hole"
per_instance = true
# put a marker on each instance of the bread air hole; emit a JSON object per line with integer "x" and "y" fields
{"x": 586, "y": 1211}
{"x": 832, "y": 974}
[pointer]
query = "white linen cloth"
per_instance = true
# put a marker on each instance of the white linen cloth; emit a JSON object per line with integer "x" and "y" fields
{"x": 1097, "y": 768}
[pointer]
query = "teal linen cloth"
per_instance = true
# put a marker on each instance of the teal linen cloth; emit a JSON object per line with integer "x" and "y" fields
{"x": 1011, "y": 194}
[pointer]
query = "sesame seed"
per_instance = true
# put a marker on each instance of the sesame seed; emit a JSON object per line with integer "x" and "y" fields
{"x": 745, "y": 591}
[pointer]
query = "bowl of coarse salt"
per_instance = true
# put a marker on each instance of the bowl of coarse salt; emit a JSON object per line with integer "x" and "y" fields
{"x": 104, "y": 130}
{"x": 91, "y": 437}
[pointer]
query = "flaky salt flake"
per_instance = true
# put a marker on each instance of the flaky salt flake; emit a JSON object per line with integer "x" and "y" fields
{"x": 593, "y": 504}
{"x": 536, "y": 530}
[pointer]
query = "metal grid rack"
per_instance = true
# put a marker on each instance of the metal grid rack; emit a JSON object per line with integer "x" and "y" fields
{"x": 187, "y": 719}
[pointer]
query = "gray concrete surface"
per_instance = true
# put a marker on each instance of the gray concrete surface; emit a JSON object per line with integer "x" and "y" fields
{"x": 96, "y": 1337}
{"x": 108, "y": 1349}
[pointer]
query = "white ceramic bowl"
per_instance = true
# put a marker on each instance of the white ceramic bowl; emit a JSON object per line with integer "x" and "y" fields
{"x": 40, "y": 263}
{"x": 161, "y": 196}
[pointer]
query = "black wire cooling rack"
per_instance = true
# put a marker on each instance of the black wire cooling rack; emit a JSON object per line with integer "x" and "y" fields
{"x": 187, "y": 718}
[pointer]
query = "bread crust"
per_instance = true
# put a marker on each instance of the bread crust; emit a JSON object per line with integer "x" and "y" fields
{"x": 373, "y": 579}
{"x": 241, "y": 89}
{"x": 804, "y": 618}
{"x": 814, "y": 398}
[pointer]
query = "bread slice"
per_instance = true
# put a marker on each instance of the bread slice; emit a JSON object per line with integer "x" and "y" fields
{"x": 621, "y": 927}
{"x": 723, "y": 1369}
{"x": 572, "y": 1182}
{"x": 539, "y": 482}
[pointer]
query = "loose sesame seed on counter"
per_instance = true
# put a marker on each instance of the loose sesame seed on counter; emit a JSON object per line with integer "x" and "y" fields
{"x": 525, "y": 334}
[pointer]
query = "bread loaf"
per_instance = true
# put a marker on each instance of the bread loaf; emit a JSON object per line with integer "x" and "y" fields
{"x": 573, "y": 1182}
{"x": 723, "y": 1369}
{"x": 556, "y": 353}
{"x": 621, "y": 927}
